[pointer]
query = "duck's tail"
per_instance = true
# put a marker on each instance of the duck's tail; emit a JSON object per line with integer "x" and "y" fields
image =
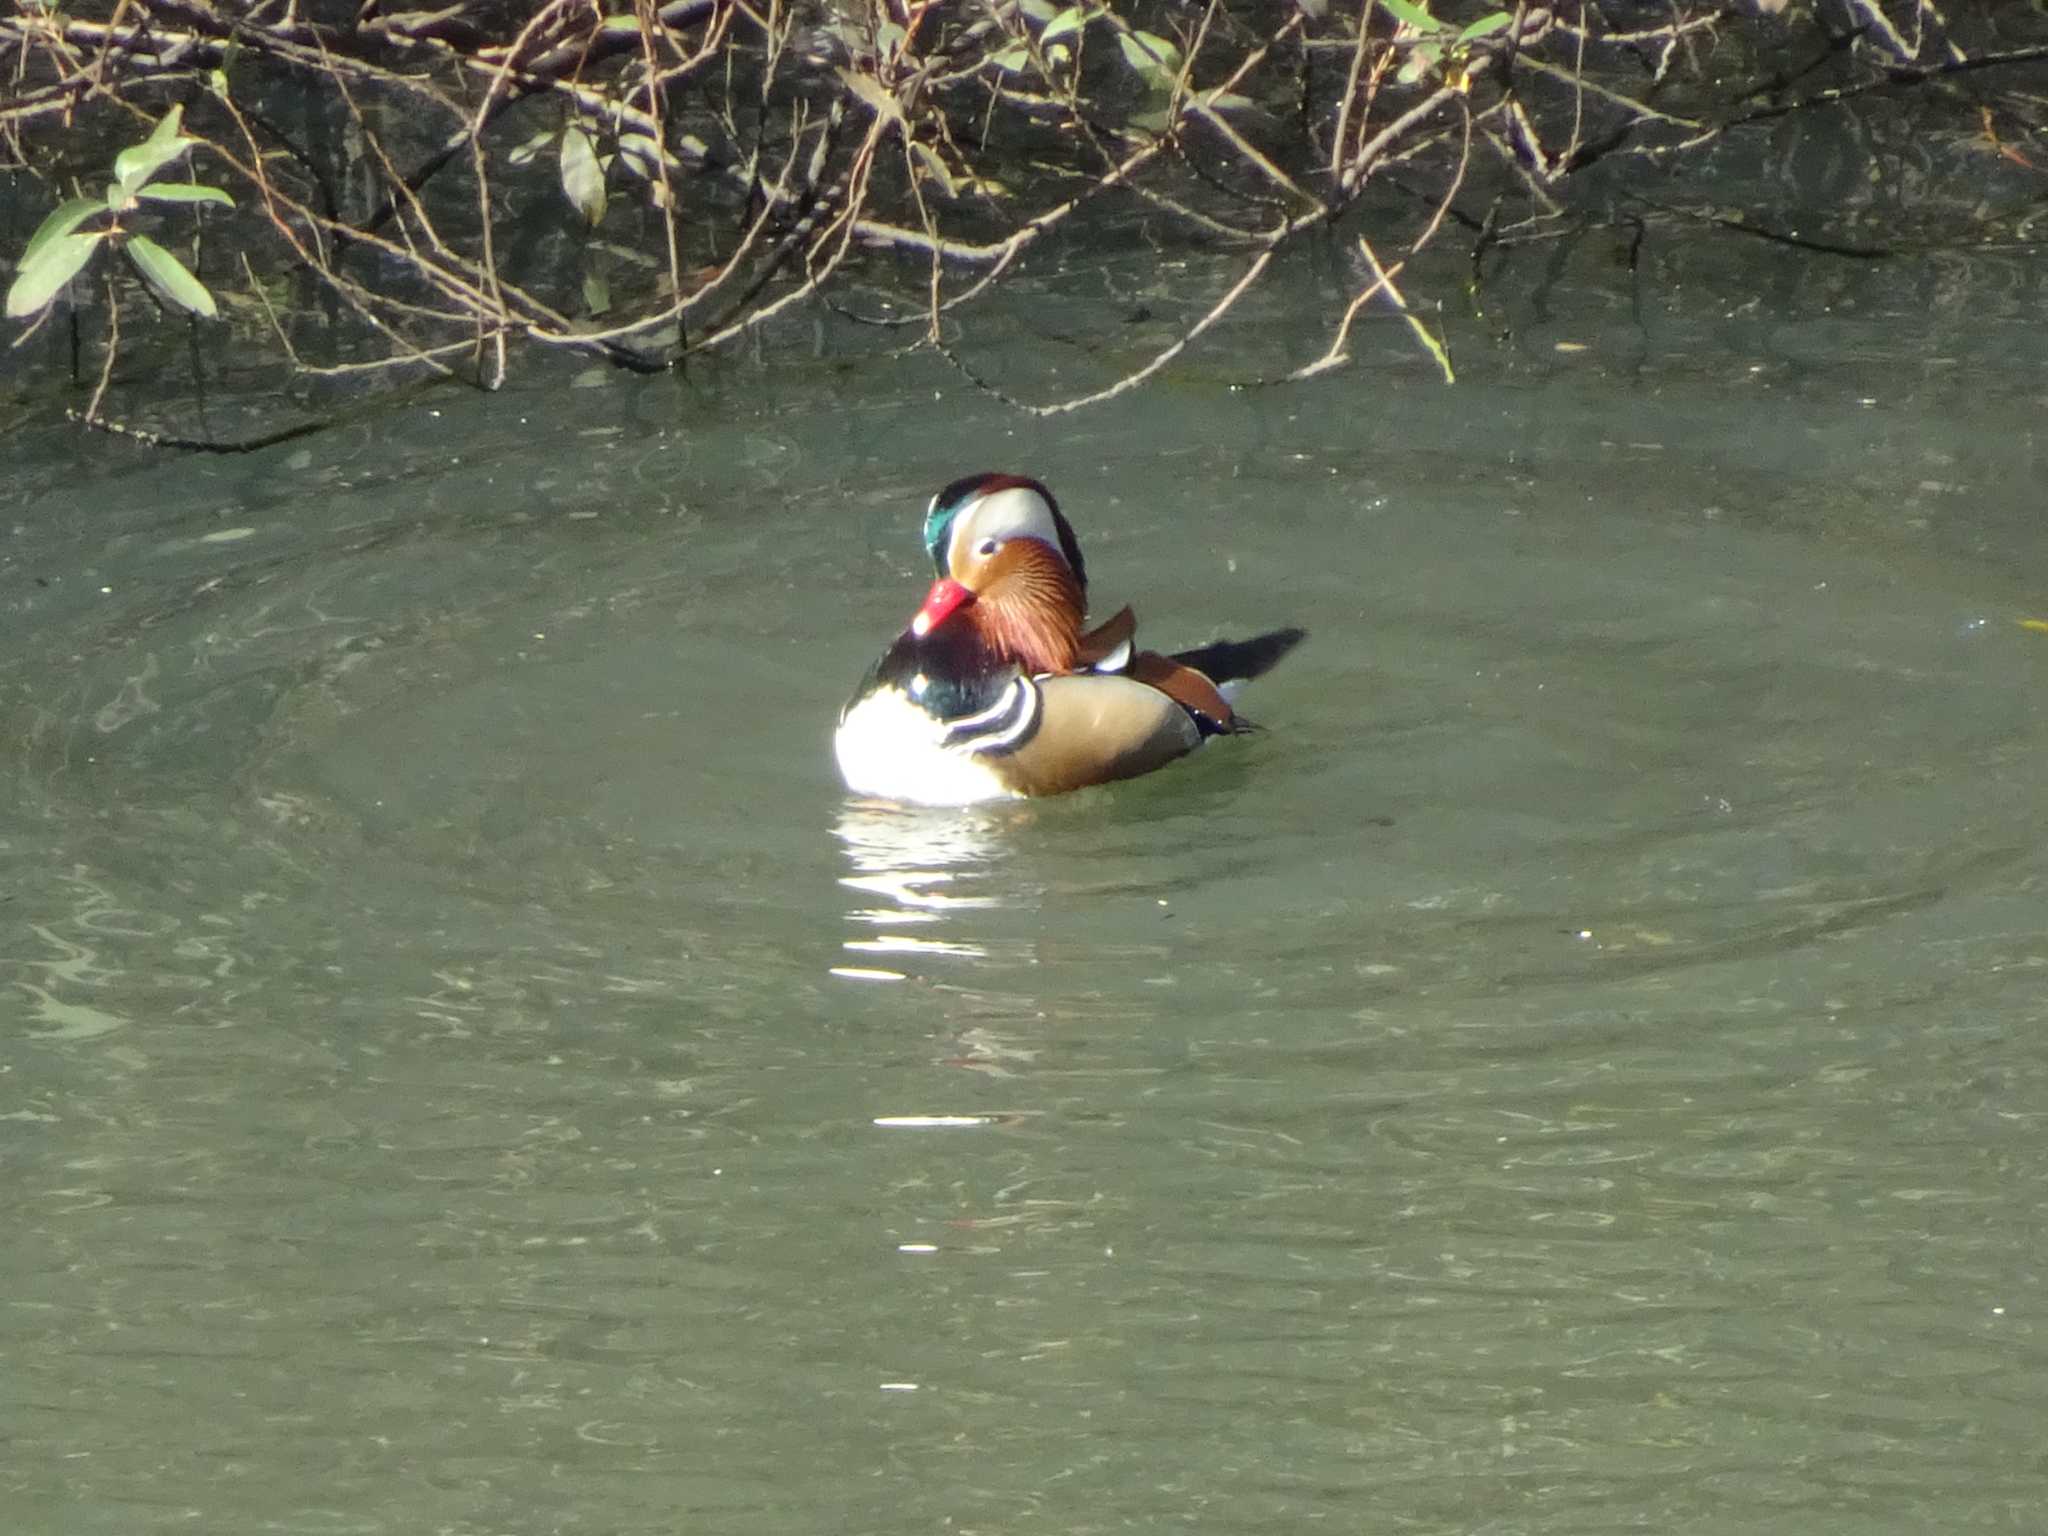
{"x": 1207, "y": 680}
{"x": 1239, "y": 661}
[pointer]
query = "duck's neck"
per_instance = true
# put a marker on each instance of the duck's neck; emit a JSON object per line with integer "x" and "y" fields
{"x": 1031, "y": 613}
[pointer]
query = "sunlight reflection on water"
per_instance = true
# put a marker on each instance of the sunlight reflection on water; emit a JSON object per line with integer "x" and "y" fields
{"x": 912, "y": 858}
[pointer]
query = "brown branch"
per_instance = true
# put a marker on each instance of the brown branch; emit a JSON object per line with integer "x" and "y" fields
{"x": 1130, "y": 381}
{"x": 92, "y": 406}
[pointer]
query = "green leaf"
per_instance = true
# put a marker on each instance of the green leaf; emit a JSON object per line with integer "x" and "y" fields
{"x": 1013, "y": 60}
{"x": 582, "y": 176}
{"x": 875, "y": 94}
{"x": 1149, "y": 50}
{"x": 168, "y": 276}
{"x": 640, "y": 153}
{"x": 1408, "y": 13}
{"x": 138, "y": 162}
{"x": 528, "y": 150}
{"x": 1485, "y": 26}
{"x": 597, "y": 293}
{"x": 184, "y": 192}
{"x": 169, "y": 128}
{"x": 68, "y": 216}
{"x": 1230, "y": 101}
{"x": 1039, "y": 10}
{"x": 935, "y": 167}
{"x": 217, "y": 79}
{"x": 1151, "y": 56}
{"x": 41, "y": 276}
{"x": 1422, "y": 58}
{"x": 1072, "y": 19}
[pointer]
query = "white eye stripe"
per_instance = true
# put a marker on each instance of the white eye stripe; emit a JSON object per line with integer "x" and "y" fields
{"x": 1014, "y": 512}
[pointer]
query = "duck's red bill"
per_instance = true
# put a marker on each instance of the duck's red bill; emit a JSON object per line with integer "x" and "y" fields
{"x": 945, "y": 596}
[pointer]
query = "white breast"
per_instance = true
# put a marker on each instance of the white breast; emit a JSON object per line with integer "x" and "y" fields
{"x": 889, "y": 747}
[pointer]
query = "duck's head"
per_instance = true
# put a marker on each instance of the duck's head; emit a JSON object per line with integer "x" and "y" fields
{"x": 977, "y": 509}
{"x": 1009, "y": 569}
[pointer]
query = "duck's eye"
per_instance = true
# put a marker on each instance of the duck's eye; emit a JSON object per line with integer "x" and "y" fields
{"x": 985, "y": 547}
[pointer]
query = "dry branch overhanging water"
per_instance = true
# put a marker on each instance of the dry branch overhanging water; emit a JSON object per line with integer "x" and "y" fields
{"x": 424, "y": 191}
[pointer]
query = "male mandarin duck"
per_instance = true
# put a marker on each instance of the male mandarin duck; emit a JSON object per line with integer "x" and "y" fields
{"x": 996, "y": 692}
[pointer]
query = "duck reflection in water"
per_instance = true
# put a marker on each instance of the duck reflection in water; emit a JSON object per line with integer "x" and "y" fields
{"x": 915, "y": 867}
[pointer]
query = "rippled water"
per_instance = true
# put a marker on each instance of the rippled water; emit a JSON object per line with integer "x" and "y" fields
{"x": 1581, "y": 1068}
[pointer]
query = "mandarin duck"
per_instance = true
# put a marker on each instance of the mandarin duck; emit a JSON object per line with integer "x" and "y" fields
{"x": 996, "y": 691}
